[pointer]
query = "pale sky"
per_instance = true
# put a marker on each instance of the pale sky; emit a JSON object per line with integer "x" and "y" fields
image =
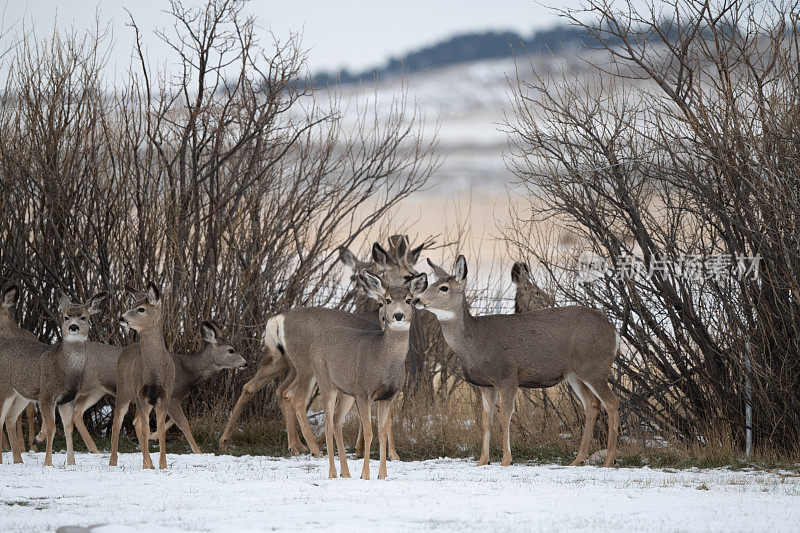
{"x": 338, "y": 33}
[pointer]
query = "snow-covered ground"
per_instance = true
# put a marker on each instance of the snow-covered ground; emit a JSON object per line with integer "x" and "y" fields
{"x": 225, "y": 493}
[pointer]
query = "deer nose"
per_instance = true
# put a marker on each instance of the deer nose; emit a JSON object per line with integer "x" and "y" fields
{"x": 398, "y": 317}
{"x": 73, "y": 328}
{"x": 121, "y": 319}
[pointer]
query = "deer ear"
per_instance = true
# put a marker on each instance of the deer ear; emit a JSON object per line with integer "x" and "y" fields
{"x": 412, "y": 257}
{"x": 460, "y": 268}
{"x": 371, "y": 284}
{"x": 519, "y": 272}
{"x": 96, "y": 301}
{"x": 63, "y": 301}
{"x": 209, "y": 332}
{"x": 402, "y": 247}
{"x": 153, "y": 294}
{"x": 418, "y": 284}
{"x": 438, "y": 271}
{"x": 10, "y": 296}
{"x": 347, "y": 257}
{"x": 379, "y": 255}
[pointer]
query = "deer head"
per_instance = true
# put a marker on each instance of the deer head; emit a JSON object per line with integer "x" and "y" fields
{"x": 445, "y": 296}
{"x": 395, "y": 300}
{"x": 75, "y": 316}
{"x": 145, "y": 311}
{"x": 218, "y": 353}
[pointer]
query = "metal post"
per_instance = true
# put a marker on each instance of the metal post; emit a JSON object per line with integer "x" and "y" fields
{"x": 748, "y": 407}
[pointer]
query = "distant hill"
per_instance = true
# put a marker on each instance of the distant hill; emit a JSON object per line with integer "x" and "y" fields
{"x": 462, "y": 49}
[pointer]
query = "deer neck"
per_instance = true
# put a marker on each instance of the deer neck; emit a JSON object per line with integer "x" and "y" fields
{"x": 151, "y": 341}
{"x": 72, "y": 358}
{"x": 457, "y": 329}
{"x": 6, "y": 324}
{"x": 197, "y": 366}
{"x": 395, "y": 342}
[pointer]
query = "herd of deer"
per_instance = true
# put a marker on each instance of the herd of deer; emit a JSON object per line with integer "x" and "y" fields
{"x": 351, "y": 358}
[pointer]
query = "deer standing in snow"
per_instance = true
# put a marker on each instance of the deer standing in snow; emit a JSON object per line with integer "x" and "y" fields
{"x": 500, "y": 353}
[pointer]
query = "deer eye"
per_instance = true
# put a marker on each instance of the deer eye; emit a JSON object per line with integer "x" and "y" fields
{"x": 408, "y": 277}
{"x": 444, "y": 288}
{"x": 388, "y": 301}
{"x": 141, "y": 310}
{"x": 230, "y": 350}
{"x": 408, "y": 301}
{"x": 83, "y": 319}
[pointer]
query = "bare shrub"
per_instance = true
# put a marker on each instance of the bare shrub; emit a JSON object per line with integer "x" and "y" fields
{"x": 223, "y": 179}
{"x": 680, "y": 143}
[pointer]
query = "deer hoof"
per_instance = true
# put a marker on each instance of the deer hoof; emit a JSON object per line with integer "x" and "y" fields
{"x": 483, "y": 461}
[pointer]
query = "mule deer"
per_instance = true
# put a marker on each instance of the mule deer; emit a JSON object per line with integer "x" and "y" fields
{"x": 394, "y": 265}
{"x": 145, "y": 375}
{"x": 295, "y": 390}
{"x": 361, "y": 365}
{"x": 192, "y": 369}
{"x": 48, "y": 375}
{"x": 529, "y": 297}
{"x": 9, "y": 329}
{"x": 500, "y": 353}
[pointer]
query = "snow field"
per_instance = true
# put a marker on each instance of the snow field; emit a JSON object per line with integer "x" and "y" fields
{"x": 226, "y": 493}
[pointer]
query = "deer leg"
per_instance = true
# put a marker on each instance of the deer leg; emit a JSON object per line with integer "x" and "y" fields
{"x": 15, "y": 441}
{"x": 169, "y": 424}
{"x": 81, "y": 404}
{"x": 329, "y": 398}
{"x": 591, "y": 405}
{"x": 343, "y": 405}
{"x": 4, "y": 442}
{"x": 142, "y": 425}
{"x": 384, "y": 423}
{"x": 337, "y": 432}
{"x": 177, "y": 416}
{"x": 264, "y": 375}
{"x": 296, "y": 446}
{"x": 611, "y": 403}
{"x": 48, "y": 408}
{"x": 488, "y": 401}
{"x": 67, "y": 411}
{"x": 390, "y": 434}
{"x": 18, "y": 427}
{"x": 30, "y": 414}
{"x": 161, "y": 423}
{"x": 299, "y": 393}
{"x": 507, "y": 397}
{"x": 364, "y": 406}
{"x": 360, "y": 443}
{"x": 120, "y": 409}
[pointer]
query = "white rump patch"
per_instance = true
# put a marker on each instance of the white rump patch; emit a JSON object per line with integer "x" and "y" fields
{"x": 274, "y": 333}
{"x": 441, "y": 314}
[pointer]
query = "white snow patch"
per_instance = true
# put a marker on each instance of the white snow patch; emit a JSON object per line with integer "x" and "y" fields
{"x": 225, "y": 493}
